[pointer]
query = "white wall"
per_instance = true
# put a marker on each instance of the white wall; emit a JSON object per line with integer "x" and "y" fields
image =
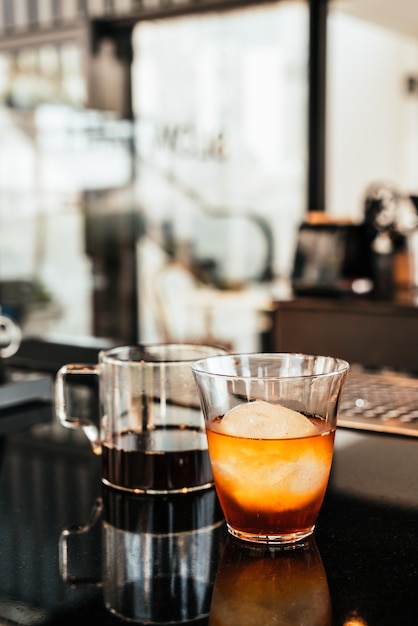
{"x": 372, "y": 123}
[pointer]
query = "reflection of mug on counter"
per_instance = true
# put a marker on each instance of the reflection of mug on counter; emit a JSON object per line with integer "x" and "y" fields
{"x": 152, "y": 434}
{"x": 269, "y": 586}
{"x": 10, "y": 336}
{"x": 159, "y": 554}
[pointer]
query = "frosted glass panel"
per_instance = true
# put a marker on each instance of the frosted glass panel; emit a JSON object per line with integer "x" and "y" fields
{"x": 221, "y": 111}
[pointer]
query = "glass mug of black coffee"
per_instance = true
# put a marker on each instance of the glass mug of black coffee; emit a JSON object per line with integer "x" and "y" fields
{"x": 151, "y": 433}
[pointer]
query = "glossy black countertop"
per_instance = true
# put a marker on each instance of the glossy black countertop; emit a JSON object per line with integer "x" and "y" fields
{"x": 71, "y": 552}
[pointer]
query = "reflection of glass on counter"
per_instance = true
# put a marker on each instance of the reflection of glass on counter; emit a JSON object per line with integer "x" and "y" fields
{"x": 261, "y": 586}
{"x": 159, "y": 554}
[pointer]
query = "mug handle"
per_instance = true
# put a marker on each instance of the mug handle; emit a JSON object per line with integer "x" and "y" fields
{"x": 90, "y": 429}
{"x": 64, "y": 549}
{"x": 14, "y": 336}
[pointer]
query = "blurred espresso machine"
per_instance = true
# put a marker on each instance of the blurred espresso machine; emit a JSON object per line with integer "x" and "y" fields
{"x": 375, "y": 259}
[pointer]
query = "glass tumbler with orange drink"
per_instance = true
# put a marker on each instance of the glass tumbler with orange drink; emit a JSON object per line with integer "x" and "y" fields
{"x": 270, "y": 422}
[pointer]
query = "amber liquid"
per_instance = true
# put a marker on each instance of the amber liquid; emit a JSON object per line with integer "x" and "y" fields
{"x": 271, "y": 486}
{"x": 163, "y": 460}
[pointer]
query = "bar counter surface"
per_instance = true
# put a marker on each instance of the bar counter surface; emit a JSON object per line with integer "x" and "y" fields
{"x": 74, "y": 553}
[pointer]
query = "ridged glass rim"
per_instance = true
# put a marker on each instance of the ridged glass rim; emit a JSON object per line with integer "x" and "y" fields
{"x": 160, "y": 353}
{"x": 341, "y": 365}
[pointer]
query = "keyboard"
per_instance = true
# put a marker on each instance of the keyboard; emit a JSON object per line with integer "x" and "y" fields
{"x": 380, "y": 401}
